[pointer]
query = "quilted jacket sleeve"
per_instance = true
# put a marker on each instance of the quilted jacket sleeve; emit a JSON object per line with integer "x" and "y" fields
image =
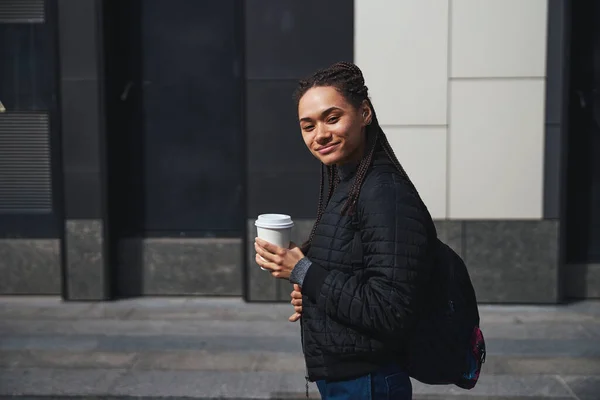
{"x": 394, "y": 234}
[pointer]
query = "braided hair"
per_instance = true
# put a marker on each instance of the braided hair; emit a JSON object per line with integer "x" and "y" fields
{"x": 348, "y": 80}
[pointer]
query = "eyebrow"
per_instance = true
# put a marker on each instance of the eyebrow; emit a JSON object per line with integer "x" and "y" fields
{"x": 330, "y": 109}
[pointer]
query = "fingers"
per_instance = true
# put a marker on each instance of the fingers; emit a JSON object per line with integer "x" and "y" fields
{"x": 296, "y": 296}
{"x": 261, "y": 251}
{"x": 275, "y": 259}
{"x": 265, "y": 264}
{"x": 294, "y": 317}
{"x": 273, "y": 268}
{"x": 269, "y": 247}
{"x": 296, "y": 300}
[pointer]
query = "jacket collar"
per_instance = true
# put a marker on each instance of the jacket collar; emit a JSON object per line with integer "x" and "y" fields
{"x": 347, "y": 171}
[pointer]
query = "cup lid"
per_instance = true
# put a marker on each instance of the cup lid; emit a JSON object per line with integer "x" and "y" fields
{"x": 275, "y": 221}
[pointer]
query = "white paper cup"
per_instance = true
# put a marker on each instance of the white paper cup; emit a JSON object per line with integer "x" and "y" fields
{"x": 275, "y": 228}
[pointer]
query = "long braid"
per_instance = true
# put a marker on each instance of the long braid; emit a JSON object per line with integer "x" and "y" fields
{"x": 332, "y": 184}
{"x": 392, "y": 156}
{"x": 320, "y": 210}
{"x": 348, "y": 79}
{"x": 350, "y": 205}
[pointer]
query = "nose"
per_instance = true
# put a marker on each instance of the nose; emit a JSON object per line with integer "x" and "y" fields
{"x": 323, "y": 135}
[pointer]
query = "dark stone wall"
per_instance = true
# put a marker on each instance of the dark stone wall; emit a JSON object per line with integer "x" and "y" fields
{"x": 285, "y": 41}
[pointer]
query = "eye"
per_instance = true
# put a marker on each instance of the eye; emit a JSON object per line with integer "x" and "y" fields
{"x": 333, "y": 119}
{"x": 308, "y": 128}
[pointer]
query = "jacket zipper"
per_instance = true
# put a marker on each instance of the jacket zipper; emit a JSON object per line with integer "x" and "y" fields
{"x": 304, "y": 354}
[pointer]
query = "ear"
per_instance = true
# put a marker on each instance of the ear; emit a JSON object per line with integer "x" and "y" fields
{"x": 366, "y": 113}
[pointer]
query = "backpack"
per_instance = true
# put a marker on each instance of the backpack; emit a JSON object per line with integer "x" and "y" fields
{"x": 445, "y": 344}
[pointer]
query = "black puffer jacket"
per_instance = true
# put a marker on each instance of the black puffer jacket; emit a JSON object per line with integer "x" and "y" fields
{"x": 354, "y": 316}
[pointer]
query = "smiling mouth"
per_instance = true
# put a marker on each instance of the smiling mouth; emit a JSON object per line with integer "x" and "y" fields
{"x": 327, "y": 149}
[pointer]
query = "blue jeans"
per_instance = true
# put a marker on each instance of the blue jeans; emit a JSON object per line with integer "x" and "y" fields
{"x": 389, "y": 383}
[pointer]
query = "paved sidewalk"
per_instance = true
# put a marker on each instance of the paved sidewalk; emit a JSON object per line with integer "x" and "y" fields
{"x": 205, "y": 348}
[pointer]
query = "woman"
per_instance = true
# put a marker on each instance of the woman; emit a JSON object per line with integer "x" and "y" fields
{"x": 354, "y": 313}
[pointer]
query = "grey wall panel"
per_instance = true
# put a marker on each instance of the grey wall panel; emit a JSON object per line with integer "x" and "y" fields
{"x": 80, "y": 124}
{"x": 85, "y": 260}
{"x": 30, "y": 266}
{"x": 556, "y": 104}
{"x": 513, "y": 261}
{"x": 556, "y": 62}
{"x": 192, "y": 99}
{"x": 290, "y": 39}
{"x": 83, "y": 149}
{"x": 452, "y": 233}
{"x": 282, "y": 174}
{"x": 583, "y": 281}
{"x": 552, "y": 170}
{"x": 81, "y": 107}
{"x": 83, "y": 194}
{"x": 293, "y": 193}
{"x": 180, "y": 266}
{"x": 78, "y": 39}
{"x": 285, "y": 41}
{"x": 272, "y": 124}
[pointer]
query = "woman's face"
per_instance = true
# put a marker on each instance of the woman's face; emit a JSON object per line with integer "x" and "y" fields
{"x": 332, "y": 128}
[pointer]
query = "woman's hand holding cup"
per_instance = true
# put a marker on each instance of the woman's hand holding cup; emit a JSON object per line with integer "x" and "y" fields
{"x": 277, "y": 260}
{"x": 296, "y": 296}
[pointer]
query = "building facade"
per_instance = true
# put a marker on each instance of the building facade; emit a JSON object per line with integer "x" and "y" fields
{"x": 140, "y": 139}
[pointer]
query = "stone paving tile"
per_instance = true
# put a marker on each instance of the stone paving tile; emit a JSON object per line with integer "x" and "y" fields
{"x": 281, "y": 396}
{"x": 267, "y": 361}
{"x": 539, "y": 330}
{"x": 594, "y": 329}
{"x": 66, "y": 359}
{"x": 535, "y": 330}
{"x": 471, "y": 396}
{"x": 545, "y": 386}
{"x": 54, "y": 312}
{"x": 151, "y": 327}
{"x": 236, "y": 309}
{"x": 169, "y": 347}
{"x": 145, "y": 308}
{"x": 287, "y": 343}
{"x": 141, "y": 384}
{"x": 584, "y": 388}
{"x": 545, "y": 365}
{"x": 118, "y": 343}
{"x": 209, "y": 384}
{"x": 544, "y": 347}
{"x": 539, "y": 317}
{"x": 48, "y": 342}
{"x": 278, "y": 312}
{"x": 591, "y": 307}
{"x": 40, "y": 381}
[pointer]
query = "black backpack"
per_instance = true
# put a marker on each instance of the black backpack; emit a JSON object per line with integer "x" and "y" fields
{"x": 445, "y": 345}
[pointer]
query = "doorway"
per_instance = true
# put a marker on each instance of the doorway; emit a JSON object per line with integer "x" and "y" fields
{"x": 583, "y": 166}
{"x": 174, "y": 98}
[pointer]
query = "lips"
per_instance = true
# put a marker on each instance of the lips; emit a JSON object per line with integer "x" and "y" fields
{"x": 327, "y": 149}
